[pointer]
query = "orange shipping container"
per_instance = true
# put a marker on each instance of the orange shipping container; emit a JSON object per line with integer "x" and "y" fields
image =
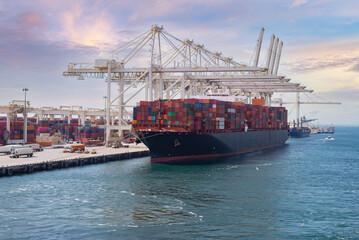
{"x": 258, "y": 101}
{"x": 45, "y": 144}
{"x": 78, "y": 147}
{"x": 30, "y": 127}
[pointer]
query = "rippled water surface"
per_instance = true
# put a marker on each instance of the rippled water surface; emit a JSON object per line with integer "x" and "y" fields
{"x": 308, "y": 189}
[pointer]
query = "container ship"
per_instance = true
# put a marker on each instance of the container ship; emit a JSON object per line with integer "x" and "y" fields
{"x": 300, "y": 131}
{"x": 328, "y": 130}
{"x": 202, "y": 130}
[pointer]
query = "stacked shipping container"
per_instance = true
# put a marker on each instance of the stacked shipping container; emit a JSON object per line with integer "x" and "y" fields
{"x": 91, "y": 130}
{"x": 2, "y": 129}
{"x": 207, "y": 116}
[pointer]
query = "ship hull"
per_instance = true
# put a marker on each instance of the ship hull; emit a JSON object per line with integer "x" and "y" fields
{"x": 299, "y": 133}
{"x": 190, "y": 147}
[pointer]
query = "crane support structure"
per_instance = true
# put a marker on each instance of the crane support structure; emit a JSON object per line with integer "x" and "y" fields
{"x": 258, "y": 47}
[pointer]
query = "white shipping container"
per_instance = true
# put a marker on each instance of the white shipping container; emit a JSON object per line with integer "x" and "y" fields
{"x": 10, "y": 148}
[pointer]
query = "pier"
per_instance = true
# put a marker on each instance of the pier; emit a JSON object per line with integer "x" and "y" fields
{"x": 55, "y": 158}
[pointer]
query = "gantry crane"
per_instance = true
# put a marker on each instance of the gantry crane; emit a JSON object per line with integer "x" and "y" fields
{"x": 298, "y": 103}
{"x": 179, "y": 68}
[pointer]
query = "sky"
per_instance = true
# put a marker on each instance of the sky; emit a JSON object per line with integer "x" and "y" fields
{"x": 40, "y": 37}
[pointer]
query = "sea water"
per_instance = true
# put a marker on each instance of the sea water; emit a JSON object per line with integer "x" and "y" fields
{"x": 307, "y": 189}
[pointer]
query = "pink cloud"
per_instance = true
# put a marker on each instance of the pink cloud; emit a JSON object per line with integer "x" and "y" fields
{"x": 31, "y": 25}
{"x": 33, "y": 19}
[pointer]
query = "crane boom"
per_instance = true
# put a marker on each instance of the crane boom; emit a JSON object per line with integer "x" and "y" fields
{"x": 337, "y": 103}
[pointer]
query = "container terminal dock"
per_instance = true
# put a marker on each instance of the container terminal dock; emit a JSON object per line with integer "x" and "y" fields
{"x": 178, "y": 69}
{"x": 55, "y": 158}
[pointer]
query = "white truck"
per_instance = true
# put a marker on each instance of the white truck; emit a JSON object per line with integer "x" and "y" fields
{"x": 35, "y": 147}
{"x": 21, "y": 152}
{"x": 10, "y": 148}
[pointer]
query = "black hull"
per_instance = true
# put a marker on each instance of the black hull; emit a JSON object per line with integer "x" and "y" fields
{"x": 176, "y": 147}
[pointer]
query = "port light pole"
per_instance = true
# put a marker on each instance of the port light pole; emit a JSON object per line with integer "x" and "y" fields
{"x": 25, "y": 117}
{"x": 105, "y": 97}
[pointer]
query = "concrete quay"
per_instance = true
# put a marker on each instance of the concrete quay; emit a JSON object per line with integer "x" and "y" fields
{"x": 54, "y": 158}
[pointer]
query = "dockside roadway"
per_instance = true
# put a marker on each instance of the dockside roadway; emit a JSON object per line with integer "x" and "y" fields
{"x": 54, "y": 158}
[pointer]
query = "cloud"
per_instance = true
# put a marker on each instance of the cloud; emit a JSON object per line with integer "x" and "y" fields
{"x": 184, "y": 11}
{"x": 305, "y": 65}
{"x": 354, "y": 68}
{"x": 298, "y": 3}
{"x": 346, "y": 96}
{"x": 339, "y": 54}
{"x": 32, "y": 20}
{"x": 79, "y": 26}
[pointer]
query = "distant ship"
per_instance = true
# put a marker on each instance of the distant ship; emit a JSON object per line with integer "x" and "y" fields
{"x": 329, "y": 130}
{"x": 298, "y": 131}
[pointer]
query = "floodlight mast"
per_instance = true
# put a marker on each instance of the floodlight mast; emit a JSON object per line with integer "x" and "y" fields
{"x": 25, "y": 118}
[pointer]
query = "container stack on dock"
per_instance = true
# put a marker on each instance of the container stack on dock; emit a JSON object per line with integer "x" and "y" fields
{"x": 31, "y": 134}
{"x": 207, "y": 116}
{"x": 2, "y": 129}
{"x": 17, "y": 128}
{"x": 49, "y": 132}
